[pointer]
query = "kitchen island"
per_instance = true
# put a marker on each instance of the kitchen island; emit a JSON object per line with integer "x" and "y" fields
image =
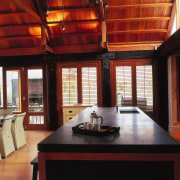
{"x": 140, "y": 150}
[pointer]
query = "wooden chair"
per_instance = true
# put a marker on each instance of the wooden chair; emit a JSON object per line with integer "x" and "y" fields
{"x": 5, "y": 112}
{"x": 6, "y": 139}
{"x": 18, "y": 131}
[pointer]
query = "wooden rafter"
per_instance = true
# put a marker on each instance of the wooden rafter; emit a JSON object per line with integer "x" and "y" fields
{"x": 177, "y": 14}
{"x": 13, "y": 14}
{"x": 140, "y": 19}
{"x": 77, "y": 48}
{"x": 46, "y": 34}
{"x": 171, "y": 21}
{"x": 149, "y": 45}
{"x": 20, "y": 25}
{"x": 44, "y": 45}
{"x": 20, "y": 37}
{"x": 21, "y": 51}
{"x": 5, "y": 1}
{"x": 75, "y": 21}
{"x": 74, "y": 10}
{"x": 77, "y": 34}
{"x": 139, "y": 42}
{"x": 103, "y": 24}
{"x": 102, "y": 13}
{"x": 138, "y": 31}
{"x": 171, "y": 45}
{"x": 142, "y": 5}
{"x": 28, "y": 9}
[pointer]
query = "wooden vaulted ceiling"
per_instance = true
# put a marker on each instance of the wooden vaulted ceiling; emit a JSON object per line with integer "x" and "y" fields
{"x": 90, "y": 25}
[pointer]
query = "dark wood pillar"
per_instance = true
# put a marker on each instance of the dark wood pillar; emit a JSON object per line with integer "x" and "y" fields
{"x": 52, "y": 94}
{"x": 163, "y": 93}
{"x": 106, "y": 85}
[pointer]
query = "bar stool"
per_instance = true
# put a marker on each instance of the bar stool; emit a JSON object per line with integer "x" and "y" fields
{"x": 34, "y": 162}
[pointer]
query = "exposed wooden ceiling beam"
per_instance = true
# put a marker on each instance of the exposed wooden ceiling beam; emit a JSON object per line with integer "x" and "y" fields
{"x": 102, "y": 13}
{"x": 77, "y": 48}
{"x": 77, "y": 34}
{"x": 13, "y": 14}
{"x": 4, "y": 1}
{"x": 75, "y": 21}
{"x": 139, "y": 19}
{"x": 45, "y": 31}
{"x": 142, "y": 5}
{"x": 177, "y": 14}
{"x": 138, "y": 31}
{"x": 47, "y": 48}
{"x": 58, "y": 10}
{"x": 21, "y": 51}
{"x": 139, "y": 42}
{"x": 104, "y": 34}
{"x": 20, "y": 25}
{"x": 132, "y": 46}
{"x": 23, "y": 4}
{"x": 170, "y": 25}
{"x": 171, "y": 45}
{"x": 20, "y": 37}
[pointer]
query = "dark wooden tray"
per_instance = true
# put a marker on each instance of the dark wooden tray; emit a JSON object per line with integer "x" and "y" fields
{"x": 105, "y": 130}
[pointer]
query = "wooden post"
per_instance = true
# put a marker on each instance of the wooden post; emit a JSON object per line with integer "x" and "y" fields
{"x": 106, "y": 85}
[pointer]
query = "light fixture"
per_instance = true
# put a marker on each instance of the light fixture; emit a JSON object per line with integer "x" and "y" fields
{"x": 48, "y": 11}
{"x": 63, "y": 27}
{"x": 106, "y": 5}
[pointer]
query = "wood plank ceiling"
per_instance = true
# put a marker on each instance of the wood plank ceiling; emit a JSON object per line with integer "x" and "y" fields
{"x": 29, "y": 27}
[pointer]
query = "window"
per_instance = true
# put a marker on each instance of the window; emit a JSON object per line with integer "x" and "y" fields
{"x": 124, "y": 84}
{"x": 35, "y": 90}
{"x": 89, "y": 85}
{"x": 134, "y": 84}
{"x": 144, "y": 85}
{"x": 80, "y": 83}
{"x": 13, "y": 90}
{"x": 69, "y": 85}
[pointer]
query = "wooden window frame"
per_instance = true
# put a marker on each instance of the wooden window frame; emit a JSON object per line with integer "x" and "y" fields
{"x": 78, "y": 65}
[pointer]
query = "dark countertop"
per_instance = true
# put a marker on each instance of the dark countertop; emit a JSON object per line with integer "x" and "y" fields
{"x": 138, "y": 134}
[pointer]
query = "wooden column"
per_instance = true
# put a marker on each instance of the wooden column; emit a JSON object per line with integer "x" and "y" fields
{"x": 174, "y": 127}
{"x": 162, "y": 81}
{"x": 52, "y": 94}
{"x": 106, "y": 85}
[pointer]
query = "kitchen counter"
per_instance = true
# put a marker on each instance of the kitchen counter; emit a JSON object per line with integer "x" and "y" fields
{"x": 139, "y": 139}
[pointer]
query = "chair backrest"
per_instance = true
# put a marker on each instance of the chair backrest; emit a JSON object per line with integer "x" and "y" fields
{"x": 7, "y": 122}
{"x": 5, "y": 112}
{"x": 19, "y": 119}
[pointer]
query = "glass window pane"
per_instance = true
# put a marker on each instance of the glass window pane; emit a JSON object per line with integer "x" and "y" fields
{"x": 1, "y": 88}
{"x": 124, "y": 85}
{"x": 36, "y": 119}
{"x": 144, "y": 86}
{"x": 13, "y": 90}
{"x": 69, "y": 85}
{"x": 35, "y": 90}
{"x": 89, "y": 85}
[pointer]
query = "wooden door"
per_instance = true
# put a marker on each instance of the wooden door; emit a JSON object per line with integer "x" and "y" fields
{"x": 25, "y": 91}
